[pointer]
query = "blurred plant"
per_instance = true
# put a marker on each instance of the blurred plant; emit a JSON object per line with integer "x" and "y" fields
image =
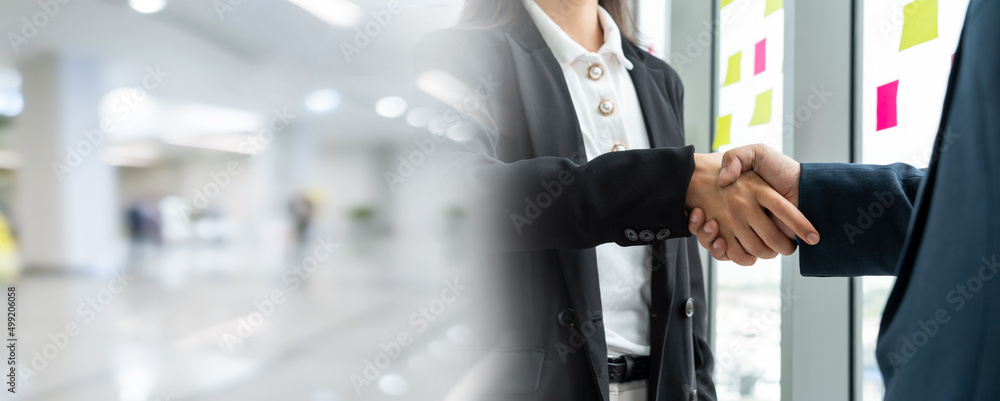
{"x": 362, "y": 214}
{"x": 455, "y": 213}
{"x": 4, "y": 121}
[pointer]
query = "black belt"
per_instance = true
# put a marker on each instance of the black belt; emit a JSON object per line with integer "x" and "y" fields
{"x": 626, "y": 368}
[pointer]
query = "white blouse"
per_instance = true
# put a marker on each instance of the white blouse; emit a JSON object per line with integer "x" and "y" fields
{"x": 610, "y": 117}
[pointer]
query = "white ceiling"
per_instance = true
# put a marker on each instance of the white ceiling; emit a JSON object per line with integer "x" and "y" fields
{"x": 262, "y": 54}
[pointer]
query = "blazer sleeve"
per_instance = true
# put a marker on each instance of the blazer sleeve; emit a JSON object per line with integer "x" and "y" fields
{"x": 630, "y": 198}
{"x": 862, "y": 213}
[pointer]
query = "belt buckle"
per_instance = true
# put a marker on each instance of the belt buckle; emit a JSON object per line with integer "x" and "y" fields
{"x": 629, "y": 372}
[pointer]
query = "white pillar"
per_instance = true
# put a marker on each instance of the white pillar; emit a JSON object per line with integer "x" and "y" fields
{"x": 66, "y": 194}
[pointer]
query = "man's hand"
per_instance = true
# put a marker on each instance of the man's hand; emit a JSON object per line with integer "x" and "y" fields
{"x": 779, "y": 171}
{"x": 740, "y": 211}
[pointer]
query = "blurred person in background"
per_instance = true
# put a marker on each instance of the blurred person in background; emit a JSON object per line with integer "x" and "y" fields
{"x": 571, "y": 143}
{"x": 144, "y": 230}
{"x": 301, "y": 209}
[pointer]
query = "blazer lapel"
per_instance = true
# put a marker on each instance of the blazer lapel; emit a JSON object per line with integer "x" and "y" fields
{"x": 554, "y": 130}
{"x": 551, "y": 120}
{"x": 662, "y": 125}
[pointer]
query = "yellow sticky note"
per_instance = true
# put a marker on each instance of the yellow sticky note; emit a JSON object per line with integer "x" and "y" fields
{"x": 920, "y": 23}
{"x": 762, "y": 111}
{"x": 733, "y": 73}
{"x": 725, "y": 3}
{"x": 772, "y": 6}
{"x": 722, "y": 129}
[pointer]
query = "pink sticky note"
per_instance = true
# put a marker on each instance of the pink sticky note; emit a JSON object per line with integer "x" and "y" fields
{"x": 887, "y": 105}
{"x": 760, "y": 55}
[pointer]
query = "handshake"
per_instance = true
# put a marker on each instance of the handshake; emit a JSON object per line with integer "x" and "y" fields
{"x": 743, "y": 204}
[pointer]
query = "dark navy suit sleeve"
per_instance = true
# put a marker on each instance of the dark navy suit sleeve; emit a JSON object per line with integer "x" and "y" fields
{"x": 862, "y": 213}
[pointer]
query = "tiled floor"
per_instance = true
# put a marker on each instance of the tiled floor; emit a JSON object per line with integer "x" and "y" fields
{"x": 160, "y": 339}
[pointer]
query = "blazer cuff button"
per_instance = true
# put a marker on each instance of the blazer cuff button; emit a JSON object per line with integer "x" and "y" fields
{"x": 631, "y": 235}
{"x": 646, "y": 235}
{"x": 663, "y": 234}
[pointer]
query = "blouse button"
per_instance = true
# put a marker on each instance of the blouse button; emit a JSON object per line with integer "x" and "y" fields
{"x": 606, "y": 107}
{"x": 595, "y": 72}
{"x": 618, "y": 148}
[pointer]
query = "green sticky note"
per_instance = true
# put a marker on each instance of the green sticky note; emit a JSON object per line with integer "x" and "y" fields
{"x": 722, "y": 131}
{"x": 920, "y": 23}
{"x": 733, "y": 73}
{"x": 772, "y": 6}
{"x": 762, "y": 111}
{"x": 725, "y": 3}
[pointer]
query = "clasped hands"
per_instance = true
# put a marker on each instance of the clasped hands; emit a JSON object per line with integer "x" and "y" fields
{"x": 743, "y": 204}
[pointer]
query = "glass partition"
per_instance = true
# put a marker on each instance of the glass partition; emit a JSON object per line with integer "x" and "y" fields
{"x": 748, "y": 299}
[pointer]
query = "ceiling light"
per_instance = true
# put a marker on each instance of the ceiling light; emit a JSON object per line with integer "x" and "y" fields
{"x": 10, "y": 78}
{"x": 9, "y": 160}
{"x": 390, "y": 107}
{"x": 393, "y": 384}
{"x": 11, "y": 102}
{"x": 148, "y": 6}
{"x": 323, "y": 101}
{"x": 334, "y": 12}
{"x": 419, "y": 116}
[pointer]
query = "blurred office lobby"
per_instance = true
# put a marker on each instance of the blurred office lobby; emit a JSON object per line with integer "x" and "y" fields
{"x": 194, "y": 201}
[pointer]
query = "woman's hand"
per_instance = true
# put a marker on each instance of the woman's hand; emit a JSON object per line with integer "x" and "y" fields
{"x": 741, "y": 214}
{"x": 779, "y": 171}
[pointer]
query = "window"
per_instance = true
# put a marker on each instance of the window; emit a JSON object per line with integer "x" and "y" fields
{"x": 748, "y": 299}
